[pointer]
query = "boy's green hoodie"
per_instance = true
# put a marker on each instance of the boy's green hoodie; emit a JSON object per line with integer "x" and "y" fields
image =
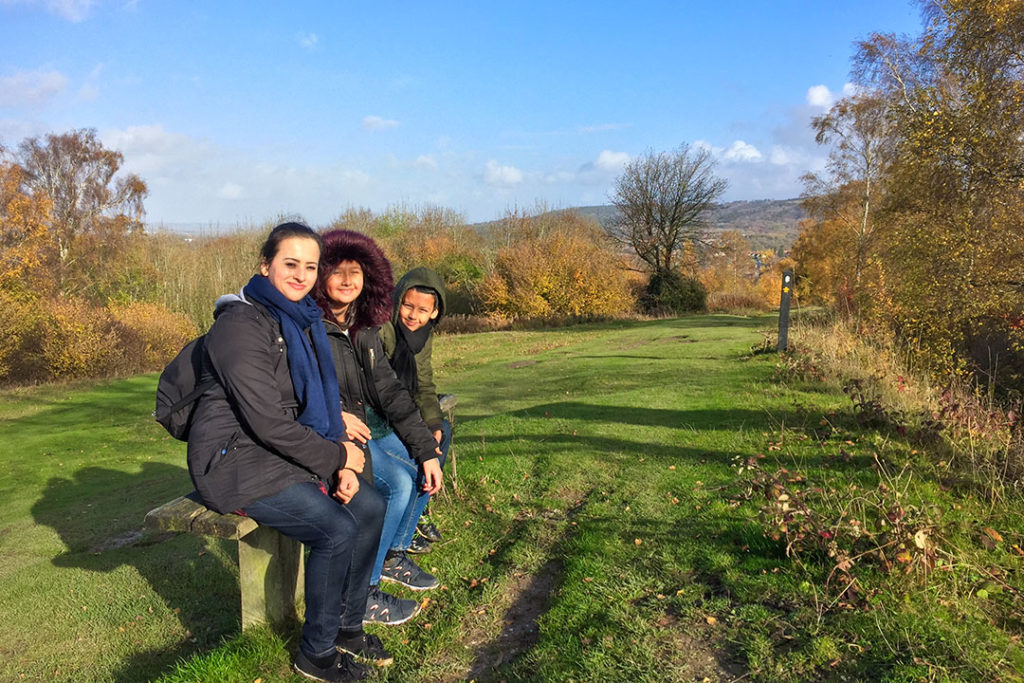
{"x": 426, "y": 394}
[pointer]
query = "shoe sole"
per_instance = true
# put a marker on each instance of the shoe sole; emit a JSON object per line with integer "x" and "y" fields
{"x": 307, "y": 675}
{"x": 393, "y": 622}
{"x": 413, "y": 551}
{"x": 409, "y": 586}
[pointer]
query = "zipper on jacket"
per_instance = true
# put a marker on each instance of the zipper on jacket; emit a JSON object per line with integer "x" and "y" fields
{"x": 373, "y": 359}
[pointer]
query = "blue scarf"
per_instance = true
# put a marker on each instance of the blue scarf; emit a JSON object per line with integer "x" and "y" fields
{"x": 311, "y": 366}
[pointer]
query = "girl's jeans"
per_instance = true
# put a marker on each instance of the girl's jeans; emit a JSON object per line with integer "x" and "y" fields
{"x": 397, "y": 476}
{"x": 342, "y": 542}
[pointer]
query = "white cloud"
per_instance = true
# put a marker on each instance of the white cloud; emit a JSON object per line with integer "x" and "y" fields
{"x": 601, "y": 127}
{"x": 89, "y": 90}
{"x": 373, "y": 123}
{"x": 72, "y": 10}
{"x": 820, "y": 96}
{"x": 741, "y": 151}
{"x": 30, "y": 88}
{"x": 308, "y": 41}
{"x": 501, "y": 176}
{"x": 425, "y": 161}
{"x": 230, "y": 191}
{"x": 611, "y": 161}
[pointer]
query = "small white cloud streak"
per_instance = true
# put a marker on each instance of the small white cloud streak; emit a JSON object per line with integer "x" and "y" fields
{"x": 742, "y": 151}
{"x": 601, "y": 128}
{"x": 820, "y": 96}
{"x": 501, "y": 176}
{"x": 230, "y": 191}
{"x": 608, "y": 160}
{"x": 308, "y": 41}
{"x": 374, "y": 123}
{"x": 425, "y": 161}
{"x": 30, "y": 88}
{"x": 72, "y": 10}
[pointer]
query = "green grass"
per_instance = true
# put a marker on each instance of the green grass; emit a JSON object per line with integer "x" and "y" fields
{"x": 595, "y": 533}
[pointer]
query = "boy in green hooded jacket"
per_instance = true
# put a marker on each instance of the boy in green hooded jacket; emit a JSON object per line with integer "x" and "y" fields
{"x": 408, "y": 342}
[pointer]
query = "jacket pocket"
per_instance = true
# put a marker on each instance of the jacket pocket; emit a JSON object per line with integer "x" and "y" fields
{"x": 222, "y": 454}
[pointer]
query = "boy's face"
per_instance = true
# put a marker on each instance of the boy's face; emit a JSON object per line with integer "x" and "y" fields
{"x": 416, "y": 309}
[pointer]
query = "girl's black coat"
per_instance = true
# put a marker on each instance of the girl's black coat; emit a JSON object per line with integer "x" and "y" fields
{"x": 365, "y": 377}
{"x": 245, "y": 443}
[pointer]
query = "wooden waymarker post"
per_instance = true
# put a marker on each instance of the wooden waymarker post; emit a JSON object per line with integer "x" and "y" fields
{"x": 787, "y": 294}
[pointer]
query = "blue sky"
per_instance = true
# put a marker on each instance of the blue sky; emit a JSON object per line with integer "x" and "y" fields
{"x": 239, "y": 112}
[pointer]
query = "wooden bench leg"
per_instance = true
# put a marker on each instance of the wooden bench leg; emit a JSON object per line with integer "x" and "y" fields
{"x": 270, "y": 573}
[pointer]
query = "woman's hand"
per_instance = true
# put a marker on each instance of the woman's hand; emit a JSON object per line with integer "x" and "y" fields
{"x": 438, "y": 436}
{"x": 348, "y": 485}
{"x": 356, "y": 429}
{"x": 432, "y": 476}
{"x": 354, "y": 458}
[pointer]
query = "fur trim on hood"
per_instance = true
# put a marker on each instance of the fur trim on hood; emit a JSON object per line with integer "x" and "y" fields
{"x": 373, "y": 307}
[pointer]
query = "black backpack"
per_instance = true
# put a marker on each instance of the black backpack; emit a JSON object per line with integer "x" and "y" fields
{"x": 180, "y": 384}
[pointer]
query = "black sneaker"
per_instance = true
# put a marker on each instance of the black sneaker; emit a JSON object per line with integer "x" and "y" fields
{"x": 341, "y": 668}
{"x": 419, "y": 546}
{"x": 398, "y": 568}
{"x": 428, "y": 530}
{"x": 388, "y": 609}
{"x": 365, "y": 648}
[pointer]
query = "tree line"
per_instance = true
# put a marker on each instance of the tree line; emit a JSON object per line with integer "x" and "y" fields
{"x": 916, "y": 224}
{"x": 87, "y": 290}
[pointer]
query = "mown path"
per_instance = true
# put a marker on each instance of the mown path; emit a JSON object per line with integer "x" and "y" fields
{"x": 590, "y": 535}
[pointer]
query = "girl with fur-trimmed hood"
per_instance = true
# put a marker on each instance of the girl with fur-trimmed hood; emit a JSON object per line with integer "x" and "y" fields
{"x": 354, "y": 291}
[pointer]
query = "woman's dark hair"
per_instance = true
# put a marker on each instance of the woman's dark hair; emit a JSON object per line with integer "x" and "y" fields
{"x": 285, "y": 231}
{"x": 373, "y": 307}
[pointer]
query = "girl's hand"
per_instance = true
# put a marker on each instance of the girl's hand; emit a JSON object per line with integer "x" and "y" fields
{"x": 354, "y": 458}
{"x": 438, "y": 436}
{"x": 348, "y": 485}
{"x": 356, "y": 429}
{"x": 432, "y": 476}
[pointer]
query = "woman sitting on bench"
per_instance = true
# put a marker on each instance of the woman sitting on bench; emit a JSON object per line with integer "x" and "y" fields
{"x": 268, "y": 442}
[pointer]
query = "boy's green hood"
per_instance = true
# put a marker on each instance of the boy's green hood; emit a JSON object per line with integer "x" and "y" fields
{"x": 420, "y": 277}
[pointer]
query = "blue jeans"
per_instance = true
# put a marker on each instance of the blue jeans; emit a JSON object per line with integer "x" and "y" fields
{"x": 398, "y": 478}
{"x": 342, "y": 540}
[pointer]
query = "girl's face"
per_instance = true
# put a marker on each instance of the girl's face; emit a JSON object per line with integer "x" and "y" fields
{"x": 344, "y": 284}
{"x": 293, "y": 268}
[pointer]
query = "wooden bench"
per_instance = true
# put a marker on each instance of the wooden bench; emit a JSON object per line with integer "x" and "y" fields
{"x": 270, "y": 565}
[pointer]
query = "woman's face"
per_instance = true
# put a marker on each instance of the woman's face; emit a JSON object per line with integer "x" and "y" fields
{"x": 293, "y": 268}
{"x": 345, "y": 284}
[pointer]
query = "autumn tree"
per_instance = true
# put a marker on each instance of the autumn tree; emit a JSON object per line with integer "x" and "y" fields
{"x": 841, "y": 202}
{"x": 662, "y": 198}
{"x": 26, "y": 246}
{"x": 93, "y": 208}
{"x": 947, "y": 242}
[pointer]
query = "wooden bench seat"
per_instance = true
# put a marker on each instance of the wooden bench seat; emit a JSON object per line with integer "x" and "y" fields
{"x": 270, "y": 565}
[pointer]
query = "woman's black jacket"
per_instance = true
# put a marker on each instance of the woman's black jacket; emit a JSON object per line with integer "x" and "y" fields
{"x": 245, "y": 443}
{"x": 365, "y": 378}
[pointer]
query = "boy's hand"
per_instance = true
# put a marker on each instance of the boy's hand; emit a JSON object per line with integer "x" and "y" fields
{"x": 354, "y": 458}
{"x": 438, "y": 436}
{"x": 355, "y": 428}
{"x": 432, "y": 476}
{"x": 348, "y": 485}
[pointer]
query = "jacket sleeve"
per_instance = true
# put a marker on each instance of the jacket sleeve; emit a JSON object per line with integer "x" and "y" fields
{"x": 398, "y": 406}
{"x": 426, "y": 394}
{"x": 244, "y": 358}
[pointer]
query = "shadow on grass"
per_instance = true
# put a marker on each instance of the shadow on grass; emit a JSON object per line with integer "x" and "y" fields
{"x": 196, "y": 584}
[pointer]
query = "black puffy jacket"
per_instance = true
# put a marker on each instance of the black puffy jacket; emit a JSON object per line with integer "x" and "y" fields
{"x": 365, "y": 377}
{"x": 245, "y": 442}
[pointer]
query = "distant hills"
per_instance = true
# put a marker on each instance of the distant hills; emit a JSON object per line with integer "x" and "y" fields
{"x": 766, "y": 223}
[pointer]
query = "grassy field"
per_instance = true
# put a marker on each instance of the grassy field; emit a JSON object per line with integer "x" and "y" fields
{"x": 603, "y": 526}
